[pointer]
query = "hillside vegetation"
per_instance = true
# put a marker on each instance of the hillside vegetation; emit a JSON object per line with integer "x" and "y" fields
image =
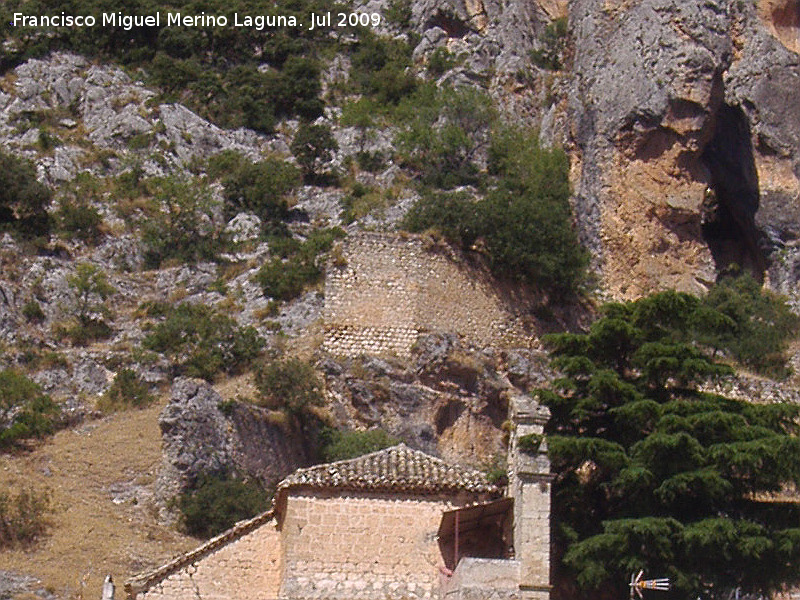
{"x": 171, "y": 198}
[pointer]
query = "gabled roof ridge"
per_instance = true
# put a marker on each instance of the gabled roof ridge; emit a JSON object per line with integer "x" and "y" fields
{"x": 396, "y": 468}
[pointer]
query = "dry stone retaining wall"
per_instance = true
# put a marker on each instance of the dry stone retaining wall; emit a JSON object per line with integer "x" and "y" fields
{"x": 386, "y": 289}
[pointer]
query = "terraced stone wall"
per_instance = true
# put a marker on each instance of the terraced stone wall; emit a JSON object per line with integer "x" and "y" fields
{"x": 383, "y": 290}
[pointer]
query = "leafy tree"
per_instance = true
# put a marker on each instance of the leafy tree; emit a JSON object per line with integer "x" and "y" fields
{"x": 202, "y": 343}
{"x": 25, "y": 411}
{"x": 752, "y": 323}
{"x": 524, "y": 223}
{"x": 312, "y": 147}
{"x": 380, "y": 67}
{"x": 361, "y": 115}
{"x": 218, "y": 501}
{"x": 341, "y": 445}
{"x": 652, "y": 473}
{"x": 181, "y": 225}
{"x": 260, "y": 188}
{"x": 297, "y": 265}
{"x": 91, "y": 288}
{"x": 127, "y": 390}
{"x": 289, "y": 384}
{"x": 23, "y": 199}
{"x": 442, "y": 132}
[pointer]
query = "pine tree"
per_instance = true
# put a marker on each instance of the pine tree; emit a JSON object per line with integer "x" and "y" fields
{"x": 653, "y": 474}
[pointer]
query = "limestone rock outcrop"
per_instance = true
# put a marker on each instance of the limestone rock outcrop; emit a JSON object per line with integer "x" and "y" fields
{"x": 684, "y": 124}
{"x": 203, "y": 435}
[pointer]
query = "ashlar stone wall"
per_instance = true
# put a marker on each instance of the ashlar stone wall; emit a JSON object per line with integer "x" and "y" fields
{"x": 529, "y": 484}
{"x": 362, "y": 547}
{"x": 386, "y": 289}
{"x": 248, "y": 568}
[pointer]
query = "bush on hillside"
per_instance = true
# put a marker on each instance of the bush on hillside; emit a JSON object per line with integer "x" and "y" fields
{"x": 25, "y": 411}
{"x": 128, "y": 390}
{"x": 338, "y": 444}
{"x": 288, "y": 384}
{"x": 23, "y": 517}
{"x": 23, "y": 199}
{"x": 203, "y": 343}
{"x": 217, "y": 502}
{"x": 440, "y": 133}
{"x": 181, "y": 223}
{"x": 259, "y": 188}
{"x": 524, "y": 224}
{"x": 297, "y": 265}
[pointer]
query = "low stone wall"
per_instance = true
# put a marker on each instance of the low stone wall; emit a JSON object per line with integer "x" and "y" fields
{"x": 362, "y": 547}
{"x": 483, "y": 579}
{"x": 247, "y": 568}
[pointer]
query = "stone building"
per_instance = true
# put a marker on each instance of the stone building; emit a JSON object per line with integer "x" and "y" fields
{"x": 384, "y": 290}
{"x": 391, "y": 525}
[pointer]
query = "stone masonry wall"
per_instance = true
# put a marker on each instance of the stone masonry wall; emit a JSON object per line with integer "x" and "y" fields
{"x": 358, "y": 547}
{"x": 389, "y": 288}
{"x": 247, "y": 569}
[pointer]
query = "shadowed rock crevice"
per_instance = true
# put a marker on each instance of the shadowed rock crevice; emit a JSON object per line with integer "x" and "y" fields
{"x": 732, "y": 200}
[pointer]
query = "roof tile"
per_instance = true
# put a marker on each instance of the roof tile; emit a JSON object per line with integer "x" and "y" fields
{"x": 398, "y": 468}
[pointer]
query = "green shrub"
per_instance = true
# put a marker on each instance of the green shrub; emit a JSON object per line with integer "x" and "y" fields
{"x": 25, "y": 411}
{"x": 202, "y": 343}
{"x": 439, "y": 134}
{"x": 496, "y": 470}
{"x": 32, "y": 311}
{"x": 440, "y": 61}
{"x": 127, "y": 391}
{"x": 380, "y": 68}
{"x": 23, "y": 517}
{"x": 23, "y": 199}
{"x": 183, "y": 225}
{"x": 218, "y": 502}
{"x": 398, "y": 12}
{"x": 361, "y": 201}
{"x": 260, "y": 188}
{"x": 91, "y": 290}
{"x": 288, "y": 384}
{"x": 553, "y": 43}
{"x": 297, "y": 265}
{"x": 341, "y": 445}
{"x": 525, "y": 221}
{"x": 312, "y": 147}
{"x": 79, "y": 220}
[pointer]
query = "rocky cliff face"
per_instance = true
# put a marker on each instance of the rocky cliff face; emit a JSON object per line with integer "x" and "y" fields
{"x": 684, "y": 124}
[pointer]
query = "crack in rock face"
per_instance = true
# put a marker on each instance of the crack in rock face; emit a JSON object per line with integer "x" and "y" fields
{"x": 732, "y": 200}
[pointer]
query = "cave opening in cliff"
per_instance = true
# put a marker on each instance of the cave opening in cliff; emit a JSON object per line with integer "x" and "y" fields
{"x": 732, "y": 199}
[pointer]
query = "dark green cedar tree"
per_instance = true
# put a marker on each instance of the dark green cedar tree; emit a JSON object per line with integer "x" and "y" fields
{"x": 651, "y": 473}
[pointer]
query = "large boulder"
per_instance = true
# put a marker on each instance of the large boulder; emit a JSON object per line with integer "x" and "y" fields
{"x": 203, "y": 434}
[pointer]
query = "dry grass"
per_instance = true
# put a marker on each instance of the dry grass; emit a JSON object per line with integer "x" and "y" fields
{"x": 99, "y": 476}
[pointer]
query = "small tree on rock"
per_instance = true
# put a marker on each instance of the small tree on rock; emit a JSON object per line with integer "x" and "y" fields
{"x": 312, "y": 147}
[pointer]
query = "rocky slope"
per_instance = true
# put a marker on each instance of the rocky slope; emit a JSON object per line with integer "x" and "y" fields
{"x": 682, "y": 124}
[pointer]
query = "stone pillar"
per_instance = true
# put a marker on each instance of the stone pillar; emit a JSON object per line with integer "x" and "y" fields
{"x": 529, "y": 485}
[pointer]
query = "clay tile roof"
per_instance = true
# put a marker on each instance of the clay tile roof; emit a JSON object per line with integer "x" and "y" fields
{"x": 395, "y": 469}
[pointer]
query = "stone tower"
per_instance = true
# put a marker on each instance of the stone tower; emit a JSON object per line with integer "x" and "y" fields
{"x": 529, "y": 485}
